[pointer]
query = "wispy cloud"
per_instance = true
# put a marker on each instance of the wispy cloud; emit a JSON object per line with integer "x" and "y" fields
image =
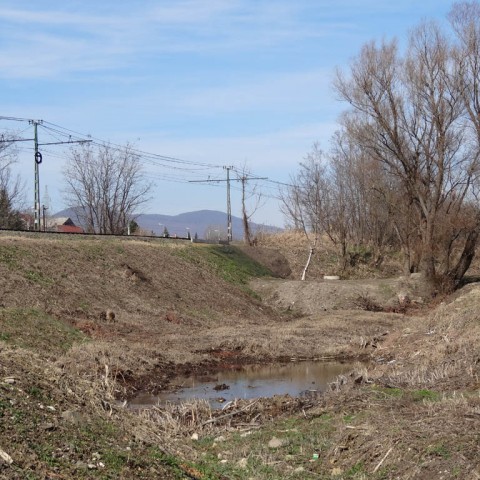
{"x": 62, "y": 41}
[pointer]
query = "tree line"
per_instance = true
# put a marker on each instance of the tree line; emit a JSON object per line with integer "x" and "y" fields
{"x": 404, "y": 167}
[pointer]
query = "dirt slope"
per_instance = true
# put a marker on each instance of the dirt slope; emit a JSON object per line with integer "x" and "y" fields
{"x": 324, "y": 296}
{"x": 85, "y": 321}
{"x": 156, "y": 292}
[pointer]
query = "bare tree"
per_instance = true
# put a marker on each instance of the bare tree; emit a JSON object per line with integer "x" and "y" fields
{"x": 11, "y": 188}
{"x": 304, "y": 202}
{"x": 465, "y": 20}
{"x": 407, "y": 114}
{"x": 360, "y": 211}
{"x": 107, "y": 186}
{"x": 253, "y": 197}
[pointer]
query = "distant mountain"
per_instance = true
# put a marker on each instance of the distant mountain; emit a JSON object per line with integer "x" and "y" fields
{"x": 204, "y": 223}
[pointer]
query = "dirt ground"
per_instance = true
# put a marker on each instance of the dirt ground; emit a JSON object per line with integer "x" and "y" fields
{"x": 317, "y": 297}
{"x": 87, "y": 322}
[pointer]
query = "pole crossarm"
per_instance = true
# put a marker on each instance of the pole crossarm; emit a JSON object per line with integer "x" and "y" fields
{"x": 209, "y": 180}
{"x": 13, "y": 140}
{"x": 63, "y": 143}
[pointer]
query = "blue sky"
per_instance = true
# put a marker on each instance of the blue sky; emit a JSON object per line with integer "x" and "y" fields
{"x": 217, "y": 82}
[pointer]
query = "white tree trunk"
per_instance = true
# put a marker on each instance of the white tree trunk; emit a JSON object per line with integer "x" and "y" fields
{"x": 304, "y": 273}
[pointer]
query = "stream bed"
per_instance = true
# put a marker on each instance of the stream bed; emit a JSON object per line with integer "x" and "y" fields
{"x": 254, "y": 381}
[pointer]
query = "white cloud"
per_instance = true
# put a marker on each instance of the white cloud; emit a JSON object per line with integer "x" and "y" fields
{"x": 62, "y": 41}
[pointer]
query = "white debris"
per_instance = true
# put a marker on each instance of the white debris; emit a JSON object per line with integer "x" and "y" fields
{"x": 242, "y": 463}
{"x": 6, "y": 457}
{"x": 276, "y": 442}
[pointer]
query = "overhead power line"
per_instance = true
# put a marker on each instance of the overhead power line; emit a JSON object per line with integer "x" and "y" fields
{"x": 182, "y": 171}
{"x": 240, "y": 178}
{"x": 153, "y": 159}
{"x": 37, "y": 160}
{"x": 97, "y": 141}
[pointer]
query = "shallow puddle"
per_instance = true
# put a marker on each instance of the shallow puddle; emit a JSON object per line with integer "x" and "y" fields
{"x": 255, "y": 381}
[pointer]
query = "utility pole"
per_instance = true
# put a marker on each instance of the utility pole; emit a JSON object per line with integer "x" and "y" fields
{"x": 229, "y": 206}
{"x": 47, "y": 205}
{"x": 243, "y": 179}
{"x": 44, "y": 209}
{"x": 47, "y": 201}
{"x": 38, "y": 161}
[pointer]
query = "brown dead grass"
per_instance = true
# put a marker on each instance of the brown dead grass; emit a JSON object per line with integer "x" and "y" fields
{"x": 412, "y": 412}
{"x": 294, "y": 246}
{"x": 161, "y": 305}
{"x": 56, "y": 425}
{"x": 441, "y": 352}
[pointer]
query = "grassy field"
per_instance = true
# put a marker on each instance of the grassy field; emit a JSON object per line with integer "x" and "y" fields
{"x": 409, "y": 409}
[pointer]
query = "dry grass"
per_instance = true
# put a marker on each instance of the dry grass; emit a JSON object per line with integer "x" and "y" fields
{"x": 327, "y": 260}
{"x": 197, "y": 416}
{"x": 411, "y": 413}
{"x": 440, "y": 351}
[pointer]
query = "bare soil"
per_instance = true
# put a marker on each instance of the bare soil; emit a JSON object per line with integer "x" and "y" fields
{"x": 318, "y": 297}
{"x": 87, "y": 322}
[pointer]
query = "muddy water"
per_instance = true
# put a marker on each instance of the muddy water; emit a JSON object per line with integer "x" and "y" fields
{"x": 250, "y": 382}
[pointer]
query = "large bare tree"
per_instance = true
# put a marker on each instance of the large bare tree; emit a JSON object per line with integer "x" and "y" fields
{"x": 408, "y": 114}
{"x": 404, "y": 170}
{"x": 465, "y": 20}
{"x": 106, "y": 184}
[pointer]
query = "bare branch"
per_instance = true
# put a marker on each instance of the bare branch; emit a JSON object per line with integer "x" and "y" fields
{"x": 106, "y": 185}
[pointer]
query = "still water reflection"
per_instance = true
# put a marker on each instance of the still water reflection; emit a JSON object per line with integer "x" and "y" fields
{"x": 250, "y": 382}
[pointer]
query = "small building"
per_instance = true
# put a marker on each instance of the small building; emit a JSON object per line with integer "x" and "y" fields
{"x": 62, "y": 225}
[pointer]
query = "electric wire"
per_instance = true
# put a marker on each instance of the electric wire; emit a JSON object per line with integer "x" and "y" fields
{"x": 151, "y": 157}
{"x": 15, "y": 119}
{"x": 193, "y": 168}
{"x": 100, "y": 142}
